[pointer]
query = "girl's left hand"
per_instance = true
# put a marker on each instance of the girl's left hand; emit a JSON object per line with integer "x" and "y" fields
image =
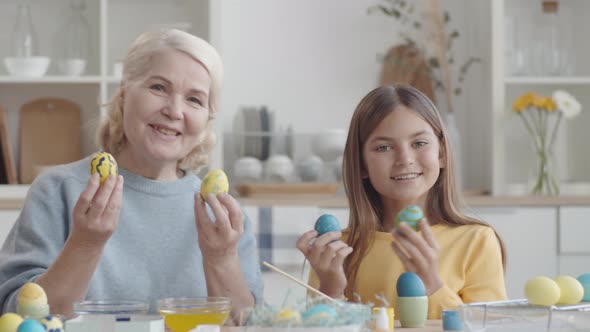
{"x": 219, "y": 240}
{"x": 419, "y": 254}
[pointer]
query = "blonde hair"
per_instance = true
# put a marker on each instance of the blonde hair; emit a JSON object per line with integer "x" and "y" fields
{"x": 366, "y": 211}
{"x": 111, "y": 135}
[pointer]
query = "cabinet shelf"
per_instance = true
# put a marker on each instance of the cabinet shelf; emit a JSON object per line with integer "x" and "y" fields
{"x": 50, "y": 79}
{"x": 547, "y": 80}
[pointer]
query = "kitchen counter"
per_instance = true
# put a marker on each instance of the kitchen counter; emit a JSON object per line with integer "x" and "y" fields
{"x": 431, "y": 326}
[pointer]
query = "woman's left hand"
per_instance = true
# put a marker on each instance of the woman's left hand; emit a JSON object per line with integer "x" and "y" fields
{"x": 219, "y": 240}
{"x": 419, "y": 254}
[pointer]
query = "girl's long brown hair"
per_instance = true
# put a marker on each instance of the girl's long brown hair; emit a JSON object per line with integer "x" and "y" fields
{"x": 366, "y": 211}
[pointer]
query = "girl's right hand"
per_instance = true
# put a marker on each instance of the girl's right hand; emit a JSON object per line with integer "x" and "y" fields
{"x": 326, "y": 256}
{"x": 96, "y": 213}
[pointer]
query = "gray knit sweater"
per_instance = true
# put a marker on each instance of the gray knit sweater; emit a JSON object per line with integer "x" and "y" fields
{"x": 152, "y": 254}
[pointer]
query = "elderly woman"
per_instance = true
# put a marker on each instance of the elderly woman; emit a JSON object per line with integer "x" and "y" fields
{"x": 146, "y": 233}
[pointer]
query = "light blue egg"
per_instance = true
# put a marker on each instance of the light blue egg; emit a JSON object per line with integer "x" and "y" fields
{"x": 584, "y": 279}
{"x": 319, "y": 313}
{"x": 327, "y": 223}
{"x": 410, "y": 285}
{"x": 411, "y": 215}
{"x": 30, "y": 325}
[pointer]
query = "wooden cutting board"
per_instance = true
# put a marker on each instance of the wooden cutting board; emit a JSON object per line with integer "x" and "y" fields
{"x": 49, "y": 135}
{"x": 406, "y": 64}
{"x": 7, "y": 170}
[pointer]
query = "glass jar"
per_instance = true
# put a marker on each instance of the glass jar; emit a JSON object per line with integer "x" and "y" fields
{"x": 546, "y": 50}
{"x": 75, "y": 46}
{"x": 517, "y": 35}
{"x": 24, "y": 36}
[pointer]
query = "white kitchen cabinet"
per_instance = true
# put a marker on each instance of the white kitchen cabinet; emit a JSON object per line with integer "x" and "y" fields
{"x": 114, "y": 24}
{"x": 529, "y": 236}
{"x": 7, "y": 219}
{"x": 513, "y": 25}
{"x": 574, "y": 247}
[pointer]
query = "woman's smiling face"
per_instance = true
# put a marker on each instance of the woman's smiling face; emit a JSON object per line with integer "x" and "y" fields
{"x": 402, "y": 157}
{"x": 165, "y": 112}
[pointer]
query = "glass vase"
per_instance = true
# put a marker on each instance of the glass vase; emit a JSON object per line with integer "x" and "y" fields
{"x": 544, "y": 178}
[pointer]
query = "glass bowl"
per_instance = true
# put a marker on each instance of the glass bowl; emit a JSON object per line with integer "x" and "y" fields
{"x": 182, "y": 314}
{"x": 111, "y": 307}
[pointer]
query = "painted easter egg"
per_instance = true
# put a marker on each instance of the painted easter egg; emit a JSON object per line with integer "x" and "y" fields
{"x": 9, "y": 322}
{"x": 411, "y": 215}
{"x": 542, "y": 291}
{"x": 319, "y": 314}
{"x": 327, "y": 223}
{"x": 288, "y": 317}
{"x": 104, "y": 164}
{"x": 30, "y": 325}
{"x": 32, "y": 294}
{"x": 571, "y": 290}
{"x": 52, "y": 323}
{"x": 584, "y": 279}
{"x": 215, "y": 182}
{"x": 410, "y": 285}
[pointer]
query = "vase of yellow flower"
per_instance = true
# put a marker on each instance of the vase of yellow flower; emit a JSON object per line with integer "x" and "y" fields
{"x": 542, "y": 116}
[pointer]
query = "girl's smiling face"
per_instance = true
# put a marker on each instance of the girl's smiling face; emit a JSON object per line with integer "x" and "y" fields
{"x": 402, "y": 157}
{"x": 165, "y": 112}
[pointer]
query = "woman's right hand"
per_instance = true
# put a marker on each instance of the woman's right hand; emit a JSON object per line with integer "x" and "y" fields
{"x": 96, "y": 213}
{"x": 326, "y": 255}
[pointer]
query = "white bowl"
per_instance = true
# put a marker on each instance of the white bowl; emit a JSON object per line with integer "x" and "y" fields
{"x": 72, "y": 66}
{"x": 248, "y": 169}
{"x": 34, "y": 66}
{"x": 279, "y": 168}
{"x": 329, "y": 144}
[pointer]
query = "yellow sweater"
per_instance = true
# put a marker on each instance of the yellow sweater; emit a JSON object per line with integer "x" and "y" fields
{"x": 470, "y": 265}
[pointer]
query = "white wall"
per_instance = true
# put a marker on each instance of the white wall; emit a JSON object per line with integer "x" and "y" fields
{"x": 312, "y": 61}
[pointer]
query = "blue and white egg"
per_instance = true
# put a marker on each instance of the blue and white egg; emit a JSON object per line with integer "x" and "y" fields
{"x": 319, "y": 314}
{"x": 410, "y": 285}
{"x": 327, "y": 223}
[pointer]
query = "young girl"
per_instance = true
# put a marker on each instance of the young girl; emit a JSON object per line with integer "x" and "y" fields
{"x": 398, "y": 154}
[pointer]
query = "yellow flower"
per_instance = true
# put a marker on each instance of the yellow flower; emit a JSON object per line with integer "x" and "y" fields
{"x": 523, "y": 102}
{"x": 544, "y": 103}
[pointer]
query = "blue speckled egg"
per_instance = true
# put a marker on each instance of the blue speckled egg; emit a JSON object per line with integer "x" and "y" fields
{"x": 319, "y": 314}
{"x": 584, "y": 279}
{"x": 327, "y": 223}
{"x": 30, "y": 325}
{"x": 410, "y": 285}
{"x": 411, "y": 215}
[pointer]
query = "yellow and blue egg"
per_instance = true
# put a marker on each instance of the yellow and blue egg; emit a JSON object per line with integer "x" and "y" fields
{"x": 52, "y": 324}
{"x": 30, "y": 325}
{"x": 319, "y": 314}
{"x": 411, "y": 215}
{"x": 409, "y": 284}
{"x": 215, "y": 182}
{"x": 104, "y": 164}
{"x": 327, "y": 223}
{"x": 288, "y": 317}
{"x": 9, "y": 322}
